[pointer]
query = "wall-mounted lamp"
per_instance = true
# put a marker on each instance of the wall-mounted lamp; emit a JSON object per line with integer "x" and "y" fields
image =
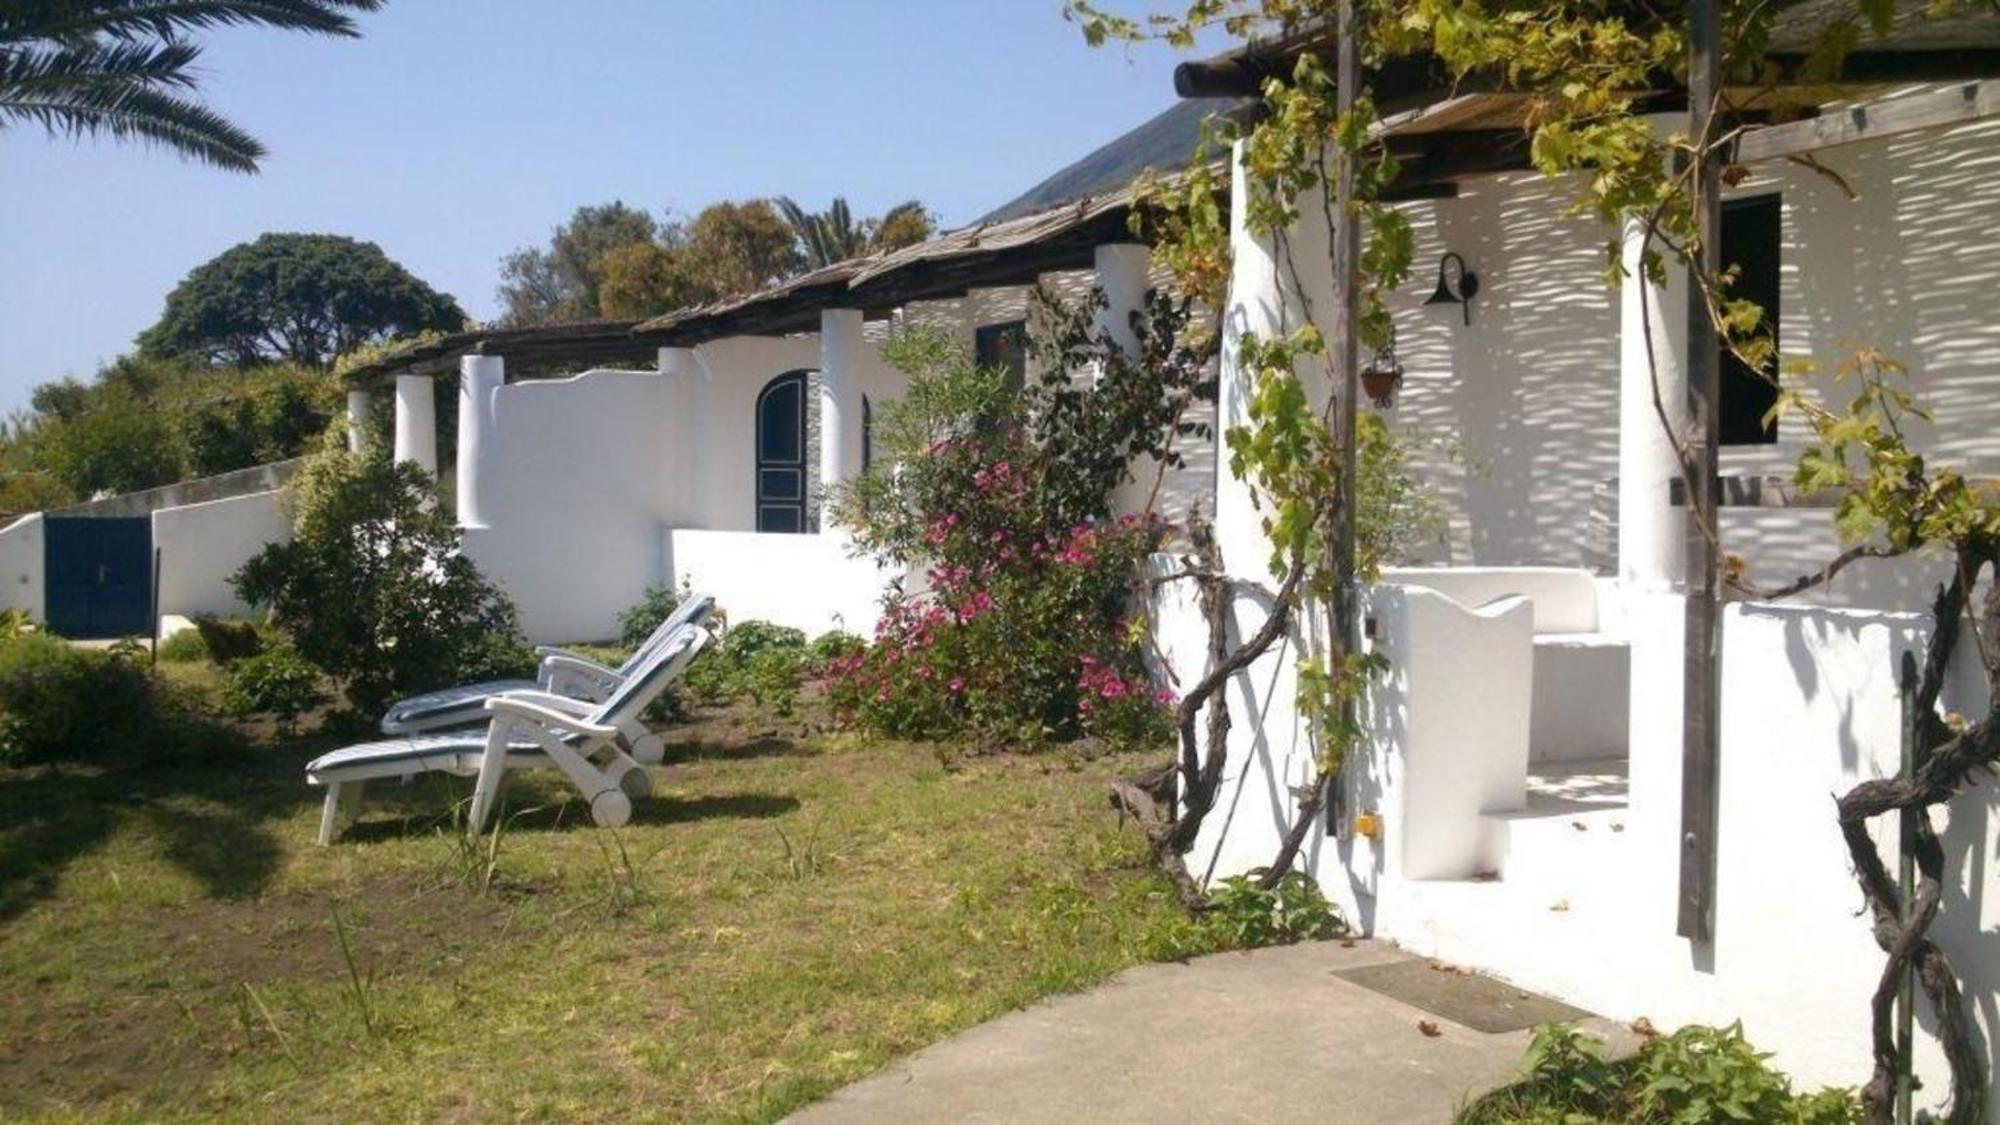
{"x": 1455, "y": 290}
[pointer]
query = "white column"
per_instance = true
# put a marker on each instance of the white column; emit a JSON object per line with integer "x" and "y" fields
{"x": 416, "y": 422}
{"x": 480, "y": 378}
{"x": 682, "y": 371}
{"x": 357, "y": 420}
{"x": 840, "y": 347}
{"x": 1652, "y": 346}
{"x": 1123, "y": 273}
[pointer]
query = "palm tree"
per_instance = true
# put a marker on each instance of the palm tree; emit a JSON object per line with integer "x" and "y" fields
{"x": 125, "y": 67}
{"x": 832, "y": 235}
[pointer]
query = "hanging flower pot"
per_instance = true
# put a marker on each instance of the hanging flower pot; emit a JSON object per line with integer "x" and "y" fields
{"x": 1381, "y": 382}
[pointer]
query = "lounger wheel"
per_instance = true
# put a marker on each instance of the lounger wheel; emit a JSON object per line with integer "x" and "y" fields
{"x": 611, "y": 808}
{"x": 637, "y": 783}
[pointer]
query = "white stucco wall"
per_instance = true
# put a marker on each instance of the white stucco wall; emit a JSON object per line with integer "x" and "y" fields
{"x": 22, "y": 564}
{"x": 202, "y": 545}
{"x": 1530, "y": 390}
{"x": 808, "y": 582}
{"x": 575, "y": 479}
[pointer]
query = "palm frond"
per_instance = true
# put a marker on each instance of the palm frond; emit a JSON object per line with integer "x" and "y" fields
{"x": 26, "y": 70}
{"x": 79, "y": 20}
{"x": 133, "y": 112}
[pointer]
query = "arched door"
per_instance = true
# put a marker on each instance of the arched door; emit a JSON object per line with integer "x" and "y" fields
{"x": 781, "y": 454}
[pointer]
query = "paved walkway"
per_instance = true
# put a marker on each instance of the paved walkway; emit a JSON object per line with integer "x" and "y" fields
{"x": 1277, "y": 1035}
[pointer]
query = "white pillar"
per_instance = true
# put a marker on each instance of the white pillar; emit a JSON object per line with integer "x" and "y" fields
{"x": 840, "y": 347}
{"x": 357, "y": 420}
{"x": 480, "y": 378}
{"x": 1650, "y": 528}
{"x": 682, "y": 371}
{"x": 1124, "y": 272}
{"x": 416, "y": 422}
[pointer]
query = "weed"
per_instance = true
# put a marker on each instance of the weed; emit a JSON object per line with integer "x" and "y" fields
{"x": 362, "y": 1003}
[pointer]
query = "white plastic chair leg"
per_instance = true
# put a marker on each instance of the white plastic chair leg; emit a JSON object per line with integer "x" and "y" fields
{"x": 343, "y": 798}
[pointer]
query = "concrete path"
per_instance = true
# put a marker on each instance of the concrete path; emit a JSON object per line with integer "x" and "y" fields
{"x": 1269, "y": 1036}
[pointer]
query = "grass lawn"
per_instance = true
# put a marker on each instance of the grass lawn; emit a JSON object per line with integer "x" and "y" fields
{"x": 790, "y": 911}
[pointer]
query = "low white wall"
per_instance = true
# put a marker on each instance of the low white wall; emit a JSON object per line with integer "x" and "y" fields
{"x": 1809, "y": 708}
{"x": 808, "y": 582}
{"x": 202, "y": 545}
{"x": 575, "y": 478}
{"x": 22, "y": 563}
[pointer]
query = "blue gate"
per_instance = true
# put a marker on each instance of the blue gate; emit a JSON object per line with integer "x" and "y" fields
{"x": 99, "y": 576}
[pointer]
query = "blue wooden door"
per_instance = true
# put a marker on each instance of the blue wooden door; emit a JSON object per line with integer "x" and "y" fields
{"x": 781, "y": 455}
{"x": 99, "y": 576}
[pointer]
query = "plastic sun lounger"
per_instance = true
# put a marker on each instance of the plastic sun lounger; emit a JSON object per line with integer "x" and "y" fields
{"x": 561, "y": 673}
{"x": 531, "y": 729}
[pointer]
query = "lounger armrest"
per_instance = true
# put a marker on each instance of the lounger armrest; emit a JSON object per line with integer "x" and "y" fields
{"x": 568, "y": 705}
{"x": 519, "y": 708}
{"x": 553, "y": 662}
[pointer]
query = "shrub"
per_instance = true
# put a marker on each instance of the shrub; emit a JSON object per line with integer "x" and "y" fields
{"x": 277, "y": 682}
{"x": 228, "y": 641}
{"x": 638, "y": 622}
{"x": 374, "y": 589}
{"x": 1694, "y": 1076}
{"x": 1001, "y": 499}
{"x": 184, "y": 647}
{"x": 832, "y": 647}
{"x": 1248, "y": 916}
{"x": 62, "y": 703}
{"x": 755, "y": 658}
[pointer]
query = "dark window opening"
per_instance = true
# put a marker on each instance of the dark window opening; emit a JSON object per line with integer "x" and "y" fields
{"x": 867, "y": 433}
{"x": 1752, "y": 242}
{"x": 1004, "y": 346}
{"x": 781, "y": 454}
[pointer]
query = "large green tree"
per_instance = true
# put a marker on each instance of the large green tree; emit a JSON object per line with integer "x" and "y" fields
{"x": 126, "y": 68}
{"x": 305, "y": 298}
{"x": 729, "y": 248}
{"x": 560, "y": 282}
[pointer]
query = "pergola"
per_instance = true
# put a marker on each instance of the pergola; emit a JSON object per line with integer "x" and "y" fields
{"x": 1445, "y": 130}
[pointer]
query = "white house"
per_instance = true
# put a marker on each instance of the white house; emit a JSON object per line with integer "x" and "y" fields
{"x": 707, "y": 467}
{"x": 1523, "y": 766}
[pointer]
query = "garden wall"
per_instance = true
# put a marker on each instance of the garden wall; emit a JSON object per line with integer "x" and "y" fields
{"x": 202, "y": 545}
{"x": 808, "y": 582}
{"x": 22, "y": 563}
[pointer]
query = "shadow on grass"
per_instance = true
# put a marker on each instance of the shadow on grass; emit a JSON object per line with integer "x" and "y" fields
{"x": 564, "y": 812}
{"x": 703, "y": 750}
{"x": 212, "y": 818}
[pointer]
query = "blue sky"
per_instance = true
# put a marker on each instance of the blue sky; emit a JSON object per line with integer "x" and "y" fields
{"x": 454, "y": 131}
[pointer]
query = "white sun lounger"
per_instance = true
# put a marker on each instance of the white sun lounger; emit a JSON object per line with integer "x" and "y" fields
{"x": 561, "y": 673}
{"x": 530, "y": 729}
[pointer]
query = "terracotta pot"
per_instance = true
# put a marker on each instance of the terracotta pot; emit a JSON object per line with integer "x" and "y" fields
{"x": 1381, "y": 385}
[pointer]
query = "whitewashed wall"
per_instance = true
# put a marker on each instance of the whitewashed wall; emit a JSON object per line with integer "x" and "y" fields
{"x": 22, "y": 562}
{"x": 809, "y": 582}
{"x": 1531, "y": 388}
{"x": 202, "y": 545}
{"x": 574, "y": 483}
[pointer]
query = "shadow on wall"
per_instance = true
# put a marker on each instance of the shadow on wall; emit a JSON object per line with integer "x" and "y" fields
{"x": 1910, "y": 266}
{"x": 1530, "y": 387}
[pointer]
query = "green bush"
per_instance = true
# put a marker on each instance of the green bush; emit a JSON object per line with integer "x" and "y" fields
{"x": 831, "y": 647}
{"x": 755, "y": 658}
{"x": 277, "y": 682}
{"x": 62, "y": 703}
{"x": 637, "y": 623}
{"x": 184, "y": 647}
{"x": 1695, "y": 1076}
{"x": 1247, "y": 916}
{"x": 373, "y": 588}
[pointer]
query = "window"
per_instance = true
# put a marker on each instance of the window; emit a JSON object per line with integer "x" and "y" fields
{"x": 1004, "y": 346}
{"x": 1752, "y": 242}
{"x": 781, "y": 454}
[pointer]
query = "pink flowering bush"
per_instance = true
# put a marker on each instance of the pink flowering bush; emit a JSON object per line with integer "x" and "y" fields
{"x": 1016, "y": 624}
